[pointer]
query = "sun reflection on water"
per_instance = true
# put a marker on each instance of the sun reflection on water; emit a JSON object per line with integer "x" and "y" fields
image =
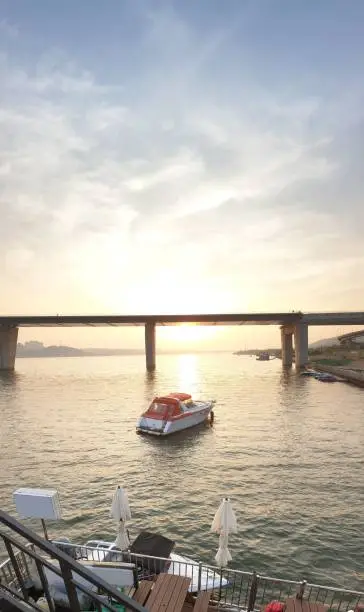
{"x": 188, "y": 374}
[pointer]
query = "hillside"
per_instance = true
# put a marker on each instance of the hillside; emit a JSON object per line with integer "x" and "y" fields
{"x": 325, "y": 342}
{"x": 38, "y": 349}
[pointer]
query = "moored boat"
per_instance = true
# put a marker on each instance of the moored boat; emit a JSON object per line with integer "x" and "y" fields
{"x": 263, "y": 356}
{"x": 325, "y": 377}
{"x": 148, "y": 565}
{"x": 172, "y": 413}
{"x": 121, "y": 563}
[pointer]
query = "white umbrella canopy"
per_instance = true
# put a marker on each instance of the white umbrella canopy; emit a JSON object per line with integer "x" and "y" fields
{"x": 120, "y": 512}
{"x": 120, "y": 509}
{"x": 122, "y": 539}
{"x": 223, "y": 555}
{"x": 224, "y": 523}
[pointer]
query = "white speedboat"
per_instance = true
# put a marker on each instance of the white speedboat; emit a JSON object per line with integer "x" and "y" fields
{"x": 174, "y": 412}
{"x": 120, "y": 563}
{"x": 101, "y": 551}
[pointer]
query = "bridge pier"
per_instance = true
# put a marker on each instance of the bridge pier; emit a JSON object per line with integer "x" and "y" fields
{"x": 301, "y": 344}
{"x": 300, "y": 333}
{"x": 287, "y": 345}
{"x": 8, "y": 342}
{"x": 150, "y": 346}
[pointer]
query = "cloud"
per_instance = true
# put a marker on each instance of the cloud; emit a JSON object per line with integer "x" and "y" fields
{"x": 161, "y": 180}
{"x": 8, "y": 29}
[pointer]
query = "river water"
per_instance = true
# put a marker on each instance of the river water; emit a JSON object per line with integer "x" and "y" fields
{"x": 288, "y": 450}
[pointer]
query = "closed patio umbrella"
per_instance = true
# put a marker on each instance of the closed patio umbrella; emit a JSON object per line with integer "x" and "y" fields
{"x": 120, "y": 512}
{"x": 223, "y": 555}
{"x": 224, "y": 523}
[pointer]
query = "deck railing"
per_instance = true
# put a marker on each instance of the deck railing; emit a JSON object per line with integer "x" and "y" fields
{"x": 233, "y": 589}
{"x": 244, "y": 590}
{"x": 33, "y": 551}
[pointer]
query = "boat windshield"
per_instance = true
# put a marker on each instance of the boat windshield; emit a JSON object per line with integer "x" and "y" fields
{"x": 158, "y": 408}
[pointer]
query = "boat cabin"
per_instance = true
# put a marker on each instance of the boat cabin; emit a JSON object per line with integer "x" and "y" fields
{"x": 169, "y": 406}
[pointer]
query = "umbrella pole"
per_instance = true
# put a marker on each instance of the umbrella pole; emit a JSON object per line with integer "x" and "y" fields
{"x": 44, "y": 529}
{"x": 220, "y": 583}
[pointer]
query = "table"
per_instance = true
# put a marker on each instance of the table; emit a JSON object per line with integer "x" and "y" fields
{"x": 168, "y": 593}
{"x": 293, "y": 604}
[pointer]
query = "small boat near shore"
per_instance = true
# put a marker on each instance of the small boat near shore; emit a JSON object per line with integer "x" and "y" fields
{"x": 320, "y": 376}
{"x": 172, "y": 413}
{"x": 263, "y": 356}
{"x": 308, "y": 373}
{"x": 326, "y": 377}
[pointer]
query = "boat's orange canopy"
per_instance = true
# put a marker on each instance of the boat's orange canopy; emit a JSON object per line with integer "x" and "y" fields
{"x": 167, "y": 405}
{"x": 182, "y": 397}
{"x": 172, "y": 398}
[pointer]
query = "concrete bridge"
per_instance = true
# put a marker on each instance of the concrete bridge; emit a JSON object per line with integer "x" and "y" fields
{"x": 292, "y": 324}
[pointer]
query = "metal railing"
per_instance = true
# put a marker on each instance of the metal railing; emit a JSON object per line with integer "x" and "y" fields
{"x": 16, "y": 573}
{"x": 232, "y": 589}
{"x": 7, "y": 574}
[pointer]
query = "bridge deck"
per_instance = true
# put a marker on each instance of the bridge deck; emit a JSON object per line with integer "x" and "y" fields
{"x": 275, "y": 318}
{"x": 133, "y": 320}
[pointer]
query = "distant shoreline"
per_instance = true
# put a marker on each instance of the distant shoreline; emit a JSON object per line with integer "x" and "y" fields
{"x": 57, "y": 356}
{"x": 126, "y": 354}
{"x": 36, "y": 350}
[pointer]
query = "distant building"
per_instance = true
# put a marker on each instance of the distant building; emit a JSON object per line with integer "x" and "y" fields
{"x": 353, "y": 339}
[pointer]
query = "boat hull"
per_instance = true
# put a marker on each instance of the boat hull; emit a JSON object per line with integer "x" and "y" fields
{"x": 156, "y": 427}
{"x": 206, "y": 581}
{"x": 202, "y": 579}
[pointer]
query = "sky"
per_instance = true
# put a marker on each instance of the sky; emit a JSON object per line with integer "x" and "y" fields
{"x": 181, "y": 156}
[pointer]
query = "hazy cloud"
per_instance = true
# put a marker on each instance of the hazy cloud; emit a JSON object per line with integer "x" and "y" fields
{"x": 177, "y": 174}
{"x": 8, "y": 29}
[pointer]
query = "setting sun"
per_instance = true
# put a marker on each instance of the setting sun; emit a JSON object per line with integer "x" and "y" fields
{"x": 187, "y": 333}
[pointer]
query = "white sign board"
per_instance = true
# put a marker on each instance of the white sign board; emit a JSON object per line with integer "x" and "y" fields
{"x": 38, "y": 503}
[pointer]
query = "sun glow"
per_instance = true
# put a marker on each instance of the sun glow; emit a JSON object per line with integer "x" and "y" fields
{"x": 187, "y": 333}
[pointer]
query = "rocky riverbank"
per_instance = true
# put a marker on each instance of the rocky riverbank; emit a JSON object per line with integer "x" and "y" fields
{"x": 353, "y": 374}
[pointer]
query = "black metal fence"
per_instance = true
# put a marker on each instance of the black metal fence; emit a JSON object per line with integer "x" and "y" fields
{"x": 35, "y": 552}
{"x": 230, "y": 589}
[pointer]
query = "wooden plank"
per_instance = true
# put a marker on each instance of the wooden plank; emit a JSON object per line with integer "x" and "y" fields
{"x": 318, "y": 607}
{"x": 303, "y": 605}
{"x": 142, "y": 592}
{"x": 168, "y": 594}
{"x": 179, "y": 595}
{"x": 157, "y": 593}
{"x": 202, "y": 602}
{"x": 187, "y": 607}
{"x": 164, "y": 589}
{"x": 290, "y": 607}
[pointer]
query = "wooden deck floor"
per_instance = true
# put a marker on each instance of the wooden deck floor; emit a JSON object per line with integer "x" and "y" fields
{"x": 187, "y": 607}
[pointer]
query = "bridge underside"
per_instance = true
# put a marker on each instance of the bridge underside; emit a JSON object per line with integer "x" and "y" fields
{"x": 141, "y": 320}
{"x": 293, "y": 325}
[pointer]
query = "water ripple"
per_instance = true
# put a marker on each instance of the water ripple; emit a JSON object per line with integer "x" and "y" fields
{"x": 282, "y": 447}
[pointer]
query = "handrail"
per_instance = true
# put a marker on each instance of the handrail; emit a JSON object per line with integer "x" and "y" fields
{"x": 67, "y": 564}
{"x": 212, "y": 570}
{"x": 242, "y": 589}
